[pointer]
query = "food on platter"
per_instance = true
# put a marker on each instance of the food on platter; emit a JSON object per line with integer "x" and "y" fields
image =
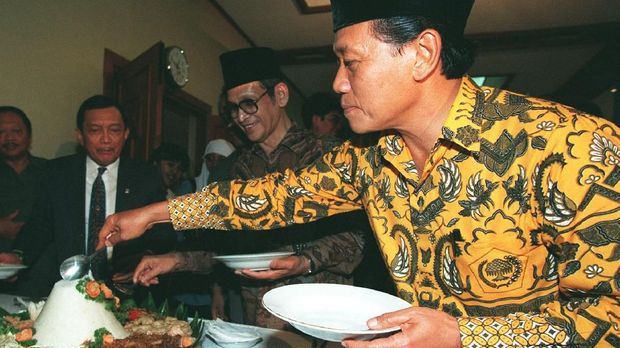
{"x": 74, "y": 310}
{"x": 149, "y": 341}
{"x": 85, "y": 313}
{"x": 15, "y": 330}
{"x": 33, "y": 308}
{"x": 150, "y": 324}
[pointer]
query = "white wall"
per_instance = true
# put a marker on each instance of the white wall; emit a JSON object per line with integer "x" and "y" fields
{"x": 51, "y": 55}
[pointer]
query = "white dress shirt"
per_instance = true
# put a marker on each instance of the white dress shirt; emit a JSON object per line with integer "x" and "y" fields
{"x": 109, "y": 177}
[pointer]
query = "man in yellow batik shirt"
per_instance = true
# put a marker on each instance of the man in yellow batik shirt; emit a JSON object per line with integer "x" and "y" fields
{"x": 498, "y": 214}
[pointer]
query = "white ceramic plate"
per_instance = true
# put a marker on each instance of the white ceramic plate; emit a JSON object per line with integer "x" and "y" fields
{"x": 255, "y": 262}
{"x": 269, "y": 338}
{"x": 332, "y": 312}
{"x": 9, "y": 270}
{"x": 229, "y": 335}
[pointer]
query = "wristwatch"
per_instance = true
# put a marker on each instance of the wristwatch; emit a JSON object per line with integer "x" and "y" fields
{"x": 311, "y": 265}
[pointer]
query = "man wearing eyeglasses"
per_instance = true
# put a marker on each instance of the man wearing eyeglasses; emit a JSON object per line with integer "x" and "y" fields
{"x": 256, "y": 100}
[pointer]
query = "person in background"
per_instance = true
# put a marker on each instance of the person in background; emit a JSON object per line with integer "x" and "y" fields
{"x": 21, "y": 173}
{"x": 218, "y": 302}
{"x": 215, "y": 151}
{"x": 257, "y": 98}
{"x": 77, "y": 193}
{"x": 191, "y": 289}
{"x": 323, "y": 115}
{"x": 496, "y": 212}
{"x": 173, "y": 162}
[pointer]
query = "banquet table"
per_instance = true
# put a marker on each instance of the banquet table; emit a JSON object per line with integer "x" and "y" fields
{"x": 270, "y": 338}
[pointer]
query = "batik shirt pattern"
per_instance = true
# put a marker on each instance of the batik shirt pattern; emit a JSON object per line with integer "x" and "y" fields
{"x": 512, "y": 226}
{"x": 334, "y": 245}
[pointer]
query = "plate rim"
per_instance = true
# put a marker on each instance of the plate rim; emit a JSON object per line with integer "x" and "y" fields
{"x": 332, "y": 330}
{"x": 8, "y": 266}
{"x": 251, "y": 256}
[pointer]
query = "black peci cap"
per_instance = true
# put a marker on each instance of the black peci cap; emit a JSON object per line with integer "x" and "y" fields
{"x": 247, "y": 65}
{"x": 452, "y": 13}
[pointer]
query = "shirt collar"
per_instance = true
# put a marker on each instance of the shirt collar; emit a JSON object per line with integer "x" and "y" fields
{"x": 291, "y": 138}
{"x": 462, "y": 126}
{"x": 91, "y": 166}
{"x": 33, "y": 161}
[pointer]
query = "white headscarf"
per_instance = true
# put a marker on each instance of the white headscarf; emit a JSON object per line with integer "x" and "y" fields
{"x": 218, "y": 146}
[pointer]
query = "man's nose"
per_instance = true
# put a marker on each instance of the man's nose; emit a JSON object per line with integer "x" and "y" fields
{"x": 242, "y": 115}
{"x": 341, "y": 83}
{"x": 106, "y": 137}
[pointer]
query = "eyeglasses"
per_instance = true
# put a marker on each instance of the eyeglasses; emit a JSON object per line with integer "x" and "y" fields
{"x": 249, "y": 106}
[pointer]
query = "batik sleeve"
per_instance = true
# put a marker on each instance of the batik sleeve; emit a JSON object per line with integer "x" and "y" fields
{"x": 324, "y": 188}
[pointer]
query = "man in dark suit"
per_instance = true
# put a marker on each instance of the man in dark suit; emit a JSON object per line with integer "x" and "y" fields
{"x": 78, "y": 192}
{"x": 20, "y": 173}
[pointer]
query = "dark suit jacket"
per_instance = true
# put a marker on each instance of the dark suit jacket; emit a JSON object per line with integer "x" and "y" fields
{"x": 56, "y": 230}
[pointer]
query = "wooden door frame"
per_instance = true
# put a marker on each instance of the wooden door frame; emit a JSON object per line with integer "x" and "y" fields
{"x": 199, "y": 108}
{"x": 113, "y": 62}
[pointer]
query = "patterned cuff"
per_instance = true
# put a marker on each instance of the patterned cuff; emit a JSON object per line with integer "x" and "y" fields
{"x": 515, "y": 330}
{"x": 193, "y": 211}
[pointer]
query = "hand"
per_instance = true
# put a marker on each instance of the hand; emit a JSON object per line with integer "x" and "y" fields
{"x": 420, "y": 327}
{"x": 289, "y": 266}
{"x": 151, "y": 266}
{"x": 9, "y": 228}
{"x": 10, "y": 258}
{"x": 131, "y": 224}
{"x": 122, "y": 277}
{"x": 218, "y": 303}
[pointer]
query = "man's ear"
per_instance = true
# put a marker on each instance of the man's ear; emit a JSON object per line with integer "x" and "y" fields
{"x": 427, "y": 48}
{"x": 281, "y": 94}
{"x": 79, "y": 136}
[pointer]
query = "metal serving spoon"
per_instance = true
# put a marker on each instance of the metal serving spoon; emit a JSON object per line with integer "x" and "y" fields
{"x": 77, "y": 266}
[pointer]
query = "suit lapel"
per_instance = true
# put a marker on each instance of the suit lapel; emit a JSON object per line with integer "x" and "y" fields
{"x": 77, "y": 191}
{"x": 124, "y": 184}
